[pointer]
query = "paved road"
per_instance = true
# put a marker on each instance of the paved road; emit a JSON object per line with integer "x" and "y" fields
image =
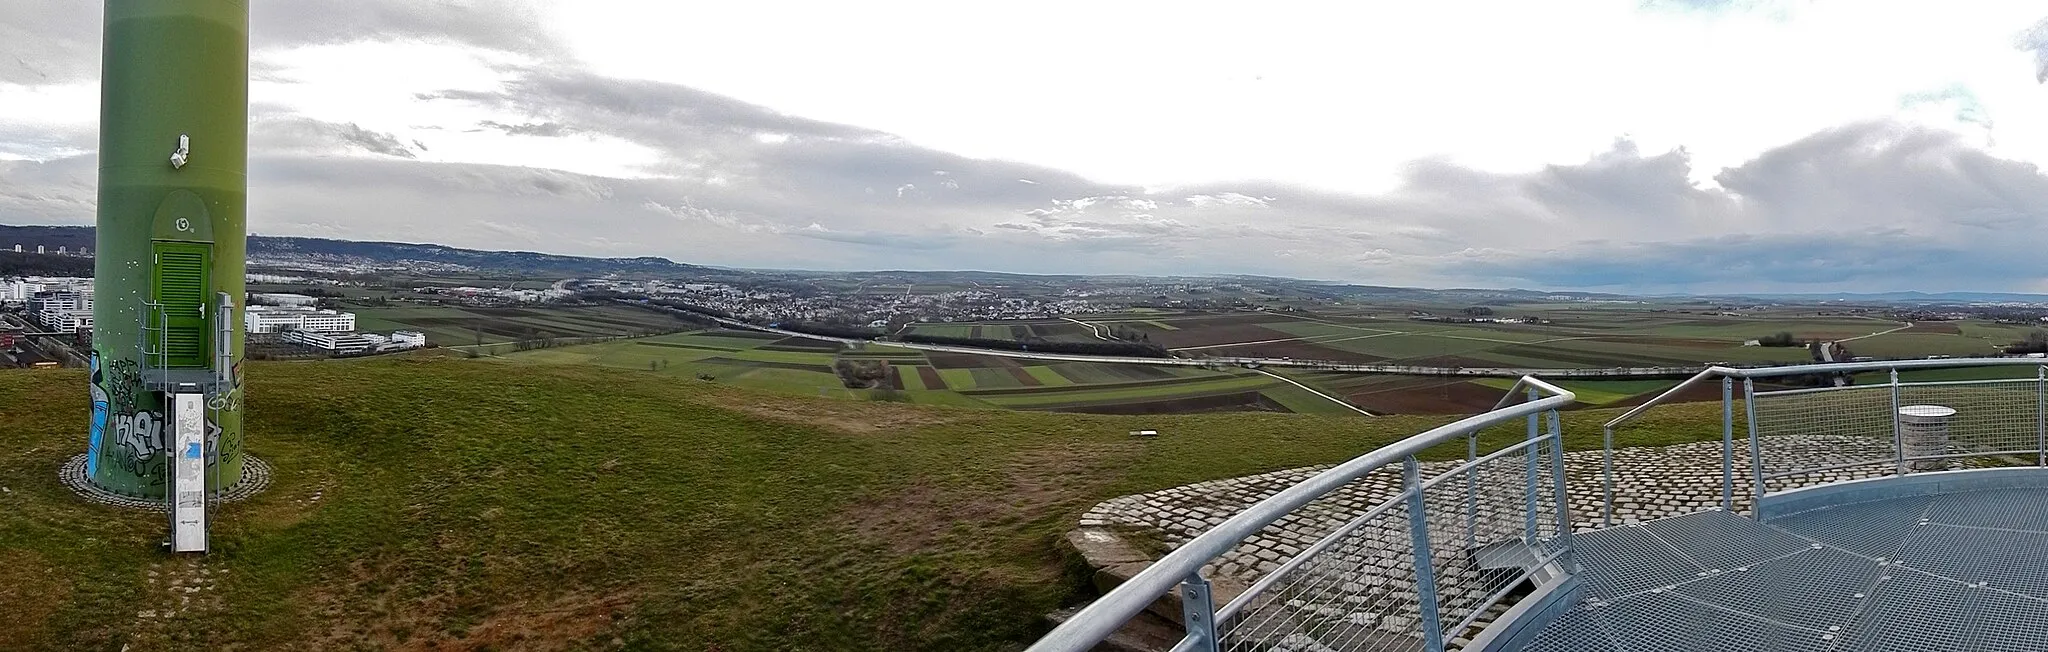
{"x": 1313, "y": 390}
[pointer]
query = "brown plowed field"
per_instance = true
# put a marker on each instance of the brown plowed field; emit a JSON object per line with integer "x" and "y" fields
{"x": 969, "y": 361}
{"x": 930, "y": 377}
{"x": 1024, "y": 377}
{"x": 1237, "y": 402}
{"x": 1168, "y": 382}
{"x": 1298, "y": 350}
{"x": 1427, "y": 396}
{"x": 1703, "y": 392}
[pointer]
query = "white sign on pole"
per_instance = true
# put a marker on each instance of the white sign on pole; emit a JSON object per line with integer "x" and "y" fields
{"x": 188, "y": 479}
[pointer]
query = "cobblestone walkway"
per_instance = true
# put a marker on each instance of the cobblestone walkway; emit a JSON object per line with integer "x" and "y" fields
{"x": 1365, "y": 584}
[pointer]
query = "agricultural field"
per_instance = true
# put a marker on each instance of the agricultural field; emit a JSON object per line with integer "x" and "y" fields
{"x": 802, "y": 366}
{"x": 1573, "y": 337}
{"x": 467, "y": 326}
{"x": 1049, "y": 330}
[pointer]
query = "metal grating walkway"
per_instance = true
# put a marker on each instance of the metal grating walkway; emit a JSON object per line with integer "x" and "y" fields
{"x": 1961, "y": 572}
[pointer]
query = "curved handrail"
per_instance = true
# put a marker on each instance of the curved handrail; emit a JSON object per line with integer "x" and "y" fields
{"x": 1097, "y": 621}
{"x": 1809, "y": 369}
{"x": 1749, "y": 374}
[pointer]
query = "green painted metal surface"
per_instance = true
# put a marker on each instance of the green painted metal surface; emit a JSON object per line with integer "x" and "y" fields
{"x": 170, "y": 68}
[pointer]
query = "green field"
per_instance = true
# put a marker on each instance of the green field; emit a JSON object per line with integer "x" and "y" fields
{"x": 1570, "y": 336}
{"x": 457, "y": 326}
{"x": 750, "y": 360}
{"x": 425, "y": 503}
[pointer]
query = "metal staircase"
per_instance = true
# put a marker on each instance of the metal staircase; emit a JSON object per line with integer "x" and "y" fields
{"x": 192, "y": 472}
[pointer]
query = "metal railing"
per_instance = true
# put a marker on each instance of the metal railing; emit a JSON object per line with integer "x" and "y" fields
{"x": 1802, "y": 436}
{"x": 1409, "y": 572}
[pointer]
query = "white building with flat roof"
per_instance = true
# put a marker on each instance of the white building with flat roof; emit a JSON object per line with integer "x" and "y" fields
{"x": 276, "y": 319}
{"x": 66, "y": 311}
{"x": 409, "y": 339}
{"x": 341, "y": 343}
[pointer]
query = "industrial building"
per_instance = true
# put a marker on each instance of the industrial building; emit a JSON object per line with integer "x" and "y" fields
{"x": 281, "y": 299}
{"x": 339, "y": 343}
{"x": 409, "y": 339}
{"x": 277, "y": 319}
{"x": 66, "y": 311}
{"x": 24, "y": 288}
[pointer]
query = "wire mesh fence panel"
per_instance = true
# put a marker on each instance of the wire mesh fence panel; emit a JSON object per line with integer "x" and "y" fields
{"x": 1808, "y": 431}
{"x": 1488, "y": 526}
{"x": 1966, "y": 419}
{"x": 1359, "y": 593}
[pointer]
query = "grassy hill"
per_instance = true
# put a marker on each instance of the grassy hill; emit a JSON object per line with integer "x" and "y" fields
{"x": 438, "y": 503}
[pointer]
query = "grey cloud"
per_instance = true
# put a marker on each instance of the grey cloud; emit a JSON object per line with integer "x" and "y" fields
{"x": 59, "y": 191}
{"x": 2035, "y": 40}
{"x": 373, "y": 141}
{"x": 42, "y": 142}
{"x": 49, "y": 42}
{"x": 713, "y": 139}
{"x": 503, "y": 25}
{"x": 1874, "y": 205}
{"x": 1866, "y": 206}
{"x": 279, "y": 132}
{"x": 542, "y": 129}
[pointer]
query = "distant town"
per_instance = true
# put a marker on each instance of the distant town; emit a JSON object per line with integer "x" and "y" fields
{"x": 326, "y": 298}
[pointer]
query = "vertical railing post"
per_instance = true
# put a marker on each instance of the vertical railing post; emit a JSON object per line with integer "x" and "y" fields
{"x": 1756, "y": 448}
{"x": 2041, "y": 413}
{"x": 1198, "y": 613}
{"x": 1425, "y": 561}
{"x": 1607, "y": 476}
{"x": 1563, "y": 497}
{"x": 1727, "y": 443}
{"x": 1471, "y": 491}
{"x": 1529, "y": 452}
{"x": 1898, "y": 437}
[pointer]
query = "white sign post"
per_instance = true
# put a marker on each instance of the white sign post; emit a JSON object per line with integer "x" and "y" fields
{"x": 188, "y": 478}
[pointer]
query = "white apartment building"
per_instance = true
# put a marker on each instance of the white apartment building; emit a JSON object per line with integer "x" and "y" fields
{"x": 17, "y": 290}
{"x": 274, "y": 319}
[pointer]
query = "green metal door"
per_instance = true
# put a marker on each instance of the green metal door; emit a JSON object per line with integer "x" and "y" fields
{"x": 181, "y": 286}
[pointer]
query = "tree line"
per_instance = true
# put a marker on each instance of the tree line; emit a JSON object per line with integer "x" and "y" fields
{"x": 28, "y": 264}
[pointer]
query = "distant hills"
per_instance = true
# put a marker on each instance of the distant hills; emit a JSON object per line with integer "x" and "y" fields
{"x": 272, "y": 251}
{"x": 1909, "y": 297}
{"x": 291, "y": 252}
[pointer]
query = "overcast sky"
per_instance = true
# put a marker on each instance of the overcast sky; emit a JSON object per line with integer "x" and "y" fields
{"x": 1614, "y": 145}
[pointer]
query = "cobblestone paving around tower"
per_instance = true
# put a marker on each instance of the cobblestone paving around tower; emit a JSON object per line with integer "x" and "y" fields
{"x": 1365, "y": 585}
{"x": 255, "y": 478}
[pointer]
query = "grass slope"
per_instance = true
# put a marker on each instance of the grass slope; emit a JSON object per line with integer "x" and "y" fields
{"x": 427, "y": 503}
